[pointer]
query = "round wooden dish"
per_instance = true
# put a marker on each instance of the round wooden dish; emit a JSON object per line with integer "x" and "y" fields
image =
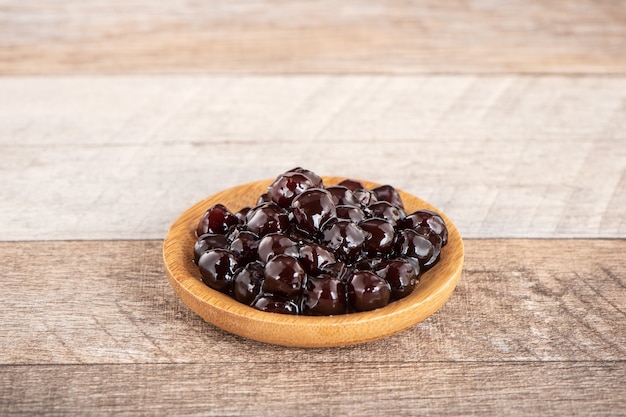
{"x": 431, "y": 293}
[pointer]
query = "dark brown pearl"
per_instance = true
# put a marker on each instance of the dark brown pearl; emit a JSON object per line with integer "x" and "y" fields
{"x": 247, "y": 283}
{"x": 429, "y": 219}
{"x": 324, "y": 296}
{"x": 207, "y": 242}
{"x": 312, "y": 209}
{"x": 352, "y": 185}
{"x": 218, "y": 267}
{"x": 284, "y": 276}
{"x": 400, "y": 274}
{"x": 273, "y": 304}
{"x": 387, "y": 211}
{"x": 217, "y": 219}
{"x": 411, "y": 244}
{"x": 345, "y": 239}
{"x": 267, "y": 218}
{"x": 342, "y": 196}
{"x": 381, "y": 237}
{"x": 315, "y": 257}
{"x": 275, "y": 244}
{"x": 287, "y": 187}
{"x": 367, "y": 291}
{"x": 389, "y": 194}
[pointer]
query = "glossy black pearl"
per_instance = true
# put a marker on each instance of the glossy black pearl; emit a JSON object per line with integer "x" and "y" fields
{"x": 274, "y": 304}
{"x": 387, "y": 211}
{"x": 429, "y": 219}
{"x": 352, "y": 185}
{"x": 217, "y": 219}
{"x": 297, "y": 235}
{"x": 245, "y": 245}
{"x": 312, "y": 209}
{"x": 367, "y": 291}
{"x": 284, "y": 276}
{"x": 207, "y": 242}
{"x": 367, "y": 264}
{"x": 365, "y": 197}
{"x": 436, "y": 242}
{"x": 338, "y": 269}
{"x": 400, "y": 274}
{"x": 315, "y": 257}
{"x": 345, "y": 239}
{"x": 389, "y": 194}
{"x": 275, "y": 244}
{"x": 342, "y": 196}
{"x": 381, "y": 237}
{"x": 247, "y": 283}
{"x": 324, "y": 296}
{"x": 267, "y": 218}
{"x": 354, "y": 214}
{"x": 287, "y": 186}
{"x": 315, "y": 179}
{"x": 411, "y": 244}
{"x": 218, "y": 267}
{"x": 241, "y": 214}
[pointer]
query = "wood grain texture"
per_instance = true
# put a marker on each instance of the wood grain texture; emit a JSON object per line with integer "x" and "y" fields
{"x": 122, "y": 157}
{"x": 110, "y": 303}
{"x": 268, "y": 386}
{"x": 279, "y": 36}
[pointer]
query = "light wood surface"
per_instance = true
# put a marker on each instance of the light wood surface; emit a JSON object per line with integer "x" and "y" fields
{"x": 280, "y": 36}
{"x": 534, "y": 325}
{"x": 115, "y": 117}
{"x": 424, "y": 388}
{"x": 433, "y": 290}
{"x": 534, "y": 301}
{"x": 502, "y": 156}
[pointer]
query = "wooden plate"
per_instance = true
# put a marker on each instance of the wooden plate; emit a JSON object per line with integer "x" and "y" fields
{"x": 432, "y": 292}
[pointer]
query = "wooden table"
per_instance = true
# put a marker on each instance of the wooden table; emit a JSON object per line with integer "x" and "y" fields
{"x": 117, "y": 116}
